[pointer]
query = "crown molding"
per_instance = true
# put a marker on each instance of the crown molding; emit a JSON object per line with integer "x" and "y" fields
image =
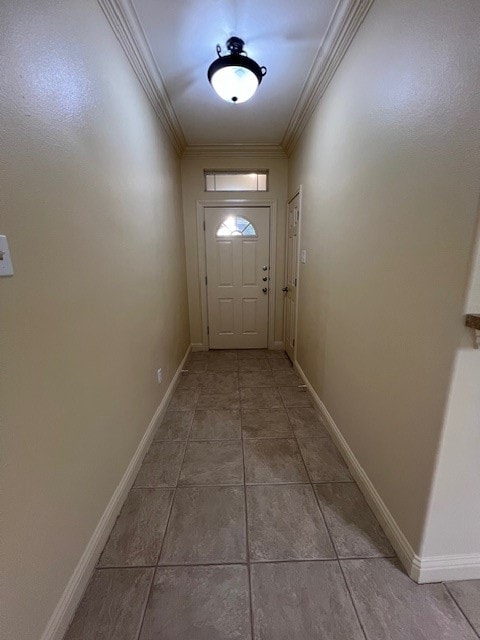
{"x": 234, "y": 151}
{"x": 126, "y": 25}
{"x": 347, "y": 18}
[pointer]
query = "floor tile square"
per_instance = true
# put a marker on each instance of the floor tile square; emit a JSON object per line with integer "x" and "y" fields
{"x": 207, "y": 525}
{"x": 197, "y": 355}
{"x": 306, "y": 422}
{"x": 260, "y": 398}
{"x": 279, "y": 363}
{"x": 174, "y": 426}
{"x": 112, "y": 606}
{"x": 390, "y": 605}
{"x": 216, "y": 424}
{"x": 324, "y": 463}
{"x": 137, "y": 536}
{"x": 222, "y": 355}
{"x": 198, "y": 603}
{"x": 211, "y": 400}
{"x": 196, "y": 366}
{"x": 287, "y": 378}
{"x": 161, "y": 465}
{"x": 273, "y": 460}
{"x": 220, "y": 382}
{"x": 245, "y": 354}
{"x": 212, "y": 463}
{"x": 467, "y": 595}
{"x": 285, "y": 523}
{"x": 184, "y": 400}
{"x": 190, "y": 380}
{"x": 354, "y": 529}
{"x": 222, "y": 365}
{"x": 295, "y": 397}
{"x": 302, "y": 601}
{"x": 266, "y": 423}
{"x": 256, "y": 379}
{"x": 276, "y": 354}
{"x": 254, "y": 364}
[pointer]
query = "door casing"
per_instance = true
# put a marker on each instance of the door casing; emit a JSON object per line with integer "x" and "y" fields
{"x": 202, "y": 261}
{"x": 298, "y": 193}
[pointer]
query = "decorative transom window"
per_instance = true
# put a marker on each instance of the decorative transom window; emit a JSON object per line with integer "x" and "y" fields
{"x": 236, "y": 226}
{"x": 218, "y": 180}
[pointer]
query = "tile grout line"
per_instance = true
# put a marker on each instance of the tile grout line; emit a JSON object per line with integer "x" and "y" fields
{"x": 249, "y": 484}
{"x": 147, "y": 600}
{"x": 247, "y": 542}
{"x": 326, "y": 526}
{"x": 444, "y": 584}
{"x": 240, "y": 563}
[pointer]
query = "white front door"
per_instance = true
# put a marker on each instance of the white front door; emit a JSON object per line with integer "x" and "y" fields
{"x": 237, "y": 248}
{"x": 291, "y": 276}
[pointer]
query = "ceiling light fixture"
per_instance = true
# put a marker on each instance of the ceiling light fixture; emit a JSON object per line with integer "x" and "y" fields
{"x": 235, "y": 77}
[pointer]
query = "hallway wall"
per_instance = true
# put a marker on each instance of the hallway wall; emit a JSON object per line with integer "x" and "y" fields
{"x": 90, "y": 199}
{"x": 193, "y": 184}
{"x": 389, "y": 165}
{"x": 453, "y": 523}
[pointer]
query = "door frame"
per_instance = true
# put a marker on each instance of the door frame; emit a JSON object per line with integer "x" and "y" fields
{"x": 296, "y": 193}
{"x": 202, "y": 259}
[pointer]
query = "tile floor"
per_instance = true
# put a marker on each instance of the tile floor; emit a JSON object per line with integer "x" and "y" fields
{"x": 244, "y": 523}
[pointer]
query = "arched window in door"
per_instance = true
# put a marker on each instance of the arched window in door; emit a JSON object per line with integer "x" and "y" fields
{"x": 236, "y": 226}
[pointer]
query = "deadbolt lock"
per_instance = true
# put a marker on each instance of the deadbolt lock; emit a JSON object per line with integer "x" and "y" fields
{"x": 264, "y": 268}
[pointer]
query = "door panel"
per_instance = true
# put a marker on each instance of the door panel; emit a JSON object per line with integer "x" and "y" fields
{"x": 226, "y": 323}
{"x": 249, "y": 315}
{"x": 237, "y": 304}
{"x": 225, "y": 264}
{"x": 249, "y": 263}
{"x": 292, "y": 276}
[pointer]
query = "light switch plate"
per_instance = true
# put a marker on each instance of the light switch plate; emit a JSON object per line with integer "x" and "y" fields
{"x": 6, "y": 267}
{"x": 303, "y": 256}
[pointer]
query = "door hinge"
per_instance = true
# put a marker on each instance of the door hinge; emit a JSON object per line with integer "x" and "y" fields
{"x": 295, "y": 282}
{"x": 206, "y": 280}
{"x": 208, "y": 331}
{"x": 204, "y": 225}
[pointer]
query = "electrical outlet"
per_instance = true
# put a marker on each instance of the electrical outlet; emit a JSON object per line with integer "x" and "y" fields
{"x": 159, "y": 376}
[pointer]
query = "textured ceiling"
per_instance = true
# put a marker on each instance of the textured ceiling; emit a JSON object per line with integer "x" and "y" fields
{"x": 280, "y": 34}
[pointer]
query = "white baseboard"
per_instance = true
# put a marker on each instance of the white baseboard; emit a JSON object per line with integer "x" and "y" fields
{"x": 426, "y": 569}
{"x": 78, "y": 582}
{"x": 444, "y": 568}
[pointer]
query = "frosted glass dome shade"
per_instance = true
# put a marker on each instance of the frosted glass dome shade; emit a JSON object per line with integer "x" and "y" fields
{"x": 234, "y": 84}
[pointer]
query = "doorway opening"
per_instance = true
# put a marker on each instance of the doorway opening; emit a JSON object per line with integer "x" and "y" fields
{"x": 292, "y": 275}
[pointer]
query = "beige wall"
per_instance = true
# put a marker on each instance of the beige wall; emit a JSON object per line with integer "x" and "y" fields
{"x": 453, "y": 524}
{"x": 91, "y": 203}
{"x": 390, "y": 165}
{"x": 194, "y": 190}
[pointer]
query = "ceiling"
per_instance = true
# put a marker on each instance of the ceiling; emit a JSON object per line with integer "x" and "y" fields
{"x": 283, "y": 35}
